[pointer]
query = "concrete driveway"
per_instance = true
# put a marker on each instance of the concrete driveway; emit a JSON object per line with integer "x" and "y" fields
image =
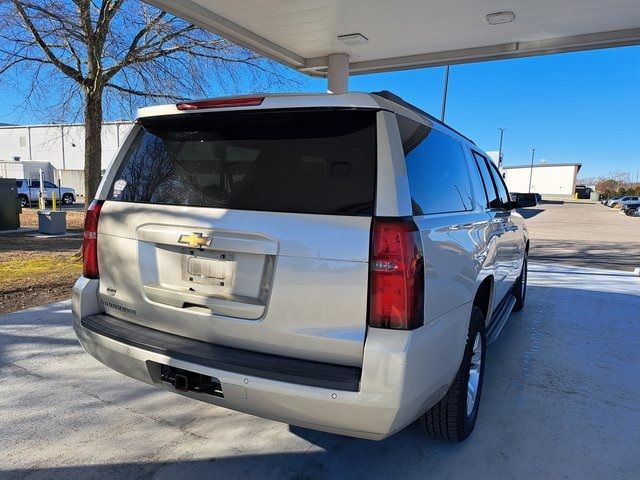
{"x": 560, "y": 401}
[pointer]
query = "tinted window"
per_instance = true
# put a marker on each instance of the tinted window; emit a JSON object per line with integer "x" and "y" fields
{"x": 436, "y": 168}
{"x": 49, "y": 185}
{"x": 321, "y": 161}
{"x": 492, "y": 196}
{"x": 19, "y": 183}
{"x": 503, "y": 193}
{"x": 35, "y": 183}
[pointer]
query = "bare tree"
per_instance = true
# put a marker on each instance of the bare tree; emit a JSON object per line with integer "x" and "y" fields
{"x": 109, "y": 56}
{"x": 617, "y": 184}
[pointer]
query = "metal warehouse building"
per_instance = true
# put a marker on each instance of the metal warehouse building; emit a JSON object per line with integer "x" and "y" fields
{"x": 545, "y": 179}
{"x": 25, "y": 148}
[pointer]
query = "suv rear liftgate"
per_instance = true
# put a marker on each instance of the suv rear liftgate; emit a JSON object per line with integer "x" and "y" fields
{"x": 242, "y": 238}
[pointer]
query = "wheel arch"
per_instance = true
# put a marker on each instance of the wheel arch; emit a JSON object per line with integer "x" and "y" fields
{"x": 484, "y": 293}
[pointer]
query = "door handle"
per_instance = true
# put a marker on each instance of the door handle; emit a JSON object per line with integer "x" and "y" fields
{"x": 228, "y": 305}
{"x": 503, "y": 227}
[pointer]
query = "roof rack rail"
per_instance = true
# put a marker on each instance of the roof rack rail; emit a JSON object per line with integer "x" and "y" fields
{"x": 392, "y": 97}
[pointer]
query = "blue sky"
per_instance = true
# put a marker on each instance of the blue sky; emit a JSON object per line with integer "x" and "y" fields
{"x": 577, "y": 107}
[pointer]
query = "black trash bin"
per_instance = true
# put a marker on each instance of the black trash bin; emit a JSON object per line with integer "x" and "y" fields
{"x": 10, "y": 208}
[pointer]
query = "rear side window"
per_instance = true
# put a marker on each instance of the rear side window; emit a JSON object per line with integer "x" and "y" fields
{"x": 317, "y": 161}
{"x": 436, "y": 169}
{"x": 492, "y": 196}
{"x": 19, "y": 183}
{"x": 503, "y": 193}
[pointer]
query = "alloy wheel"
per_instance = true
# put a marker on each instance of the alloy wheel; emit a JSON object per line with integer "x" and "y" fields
{"x": 474, "y": 373}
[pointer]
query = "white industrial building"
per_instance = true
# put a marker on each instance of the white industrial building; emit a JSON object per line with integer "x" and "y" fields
{"x": 545, "y": 179}
{"x": 495, "y": 156}
{"x": 26, "y": 148}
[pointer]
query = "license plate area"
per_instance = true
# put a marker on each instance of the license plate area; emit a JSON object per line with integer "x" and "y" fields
{"x": 227, "y": 283}
{"x": 209, "y": 269}
{"x": 186, "y": 381}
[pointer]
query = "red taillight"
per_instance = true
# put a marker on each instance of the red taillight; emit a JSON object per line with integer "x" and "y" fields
{"x": 221, "y": 103}
{"x": 396, "y": 283}
{"x": 90, "y": 241}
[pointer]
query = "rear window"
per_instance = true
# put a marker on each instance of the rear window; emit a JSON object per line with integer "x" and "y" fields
{"x": 319, "y": 161}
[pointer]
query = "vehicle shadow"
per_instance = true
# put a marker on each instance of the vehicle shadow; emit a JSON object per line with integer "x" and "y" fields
{"x": 18, "y": 242}
{"x": 618, "y": 256}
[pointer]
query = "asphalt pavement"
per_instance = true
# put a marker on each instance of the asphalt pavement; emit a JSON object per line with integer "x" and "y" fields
{"x": 583, "y": 234}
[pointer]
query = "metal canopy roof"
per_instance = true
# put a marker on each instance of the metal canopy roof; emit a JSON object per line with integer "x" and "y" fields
{"x": 539, "y": 165}
{"x": 411, "y": 33}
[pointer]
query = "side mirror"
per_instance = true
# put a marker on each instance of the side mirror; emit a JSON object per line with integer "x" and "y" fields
{"x": 523, "y": 200}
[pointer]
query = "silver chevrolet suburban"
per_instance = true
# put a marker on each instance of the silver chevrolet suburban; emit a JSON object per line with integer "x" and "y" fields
{"x": 338, "y": 262}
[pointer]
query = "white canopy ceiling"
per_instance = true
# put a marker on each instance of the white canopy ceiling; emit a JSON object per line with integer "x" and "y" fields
{"x": 412, "y": 33}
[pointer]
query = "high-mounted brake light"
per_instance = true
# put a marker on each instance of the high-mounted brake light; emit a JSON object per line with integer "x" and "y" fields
{"x": 396, "y": 283}
{"x": 90, "y": 241}
{"x": 221, "y": 103}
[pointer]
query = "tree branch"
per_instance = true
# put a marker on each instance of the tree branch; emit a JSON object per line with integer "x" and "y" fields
{"x": 64, "y": 68}
{"x": 140, "y": 93}
{"x": 13, "y": 63}
{"x": 133, "y": 46}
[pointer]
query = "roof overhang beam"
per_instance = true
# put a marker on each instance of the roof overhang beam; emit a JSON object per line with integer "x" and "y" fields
{"x": 591, "y": 41}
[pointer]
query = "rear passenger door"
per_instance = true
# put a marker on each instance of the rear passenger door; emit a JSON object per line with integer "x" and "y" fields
{"x": 34, "y": 190}
{"x": 49, "y": 189}
{"x": 443, "y": 209}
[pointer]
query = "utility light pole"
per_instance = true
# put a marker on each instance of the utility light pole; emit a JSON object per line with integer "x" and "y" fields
{"x": 500, "y": 147}
{"x": 533, "y": 153}
{"x": 444, "y": 92}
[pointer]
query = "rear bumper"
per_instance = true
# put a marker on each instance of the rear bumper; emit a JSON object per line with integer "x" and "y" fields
{"x": 403, "y": 374}
{"x": 233, "y": 360}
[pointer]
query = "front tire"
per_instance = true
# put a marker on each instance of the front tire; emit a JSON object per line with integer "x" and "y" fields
{"x": 454, "y": 417}
{"x": 520, "y": 288}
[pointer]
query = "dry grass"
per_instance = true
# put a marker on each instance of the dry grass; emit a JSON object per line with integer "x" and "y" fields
{"x": 38, "y": 270}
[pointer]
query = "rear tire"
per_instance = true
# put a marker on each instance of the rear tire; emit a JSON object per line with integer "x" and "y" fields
{"x": 454, "y": 417}
{"x": 631, "y": 212}
{"x": 24, "y": 201}
{"x": 520, "y": 288}
{"x": 67, "y": 199}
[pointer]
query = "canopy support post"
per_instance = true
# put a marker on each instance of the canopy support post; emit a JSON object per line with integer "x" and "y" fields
{"x": 338, "y": 73}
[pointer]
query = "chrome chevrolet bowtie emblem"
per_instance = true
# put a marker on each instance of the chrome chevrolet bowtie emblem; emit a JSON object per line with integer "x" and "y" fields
{"x": 195, "y": 240}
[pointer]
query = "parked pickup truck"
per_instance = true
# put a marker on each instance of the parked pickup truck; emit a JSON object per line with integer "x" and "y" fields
{"x": 28, "y": 191}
